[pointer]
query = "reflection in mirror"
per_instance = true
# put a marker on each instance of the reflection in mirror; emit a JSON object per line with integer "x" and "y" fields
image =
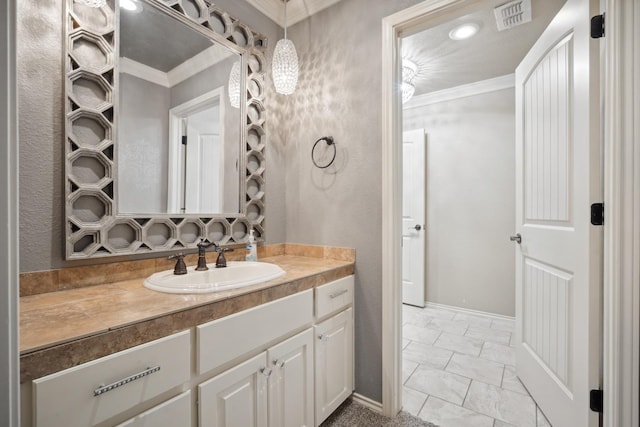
{"x": 178, "y": 118}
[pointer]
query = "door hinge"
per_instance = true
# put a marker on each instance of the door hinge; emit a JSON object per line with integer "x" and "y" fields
{"x": 597, "y": 214}
{"x": 596, "y": 399}
{"x": 597, "y": 26}
{"x": 184, "y": 140}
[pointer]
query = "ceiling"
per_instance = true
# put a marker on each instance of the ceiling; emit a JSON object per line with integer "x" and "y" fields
{"x": 159, "y": 41}
{"x": 444, "y": 63}
{"x": 297, "y": 10}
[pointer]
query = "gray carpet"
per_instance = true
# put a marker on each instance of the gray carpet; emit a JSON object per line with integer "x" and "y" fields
{"x": 351, "y": 414}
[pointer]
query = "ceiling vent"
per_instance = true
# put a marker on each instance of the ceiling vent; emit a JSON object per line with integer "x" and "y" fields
{"x": 512, "y": 14}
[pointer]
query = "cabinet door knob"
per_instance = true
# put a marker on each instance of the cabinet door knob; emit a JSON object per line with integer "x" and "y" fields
{"x": 323, "y": 337}
{"x": 266, "y": 372}
{"x": 278, "y": 363}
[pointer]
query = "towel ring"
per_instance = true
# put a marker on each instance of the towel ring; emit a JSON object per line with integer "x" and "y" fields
{"x": 329, "y": 141}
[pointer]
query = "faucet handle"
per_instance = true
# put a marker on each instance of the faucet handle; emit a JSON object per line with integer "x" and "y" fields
{"x": 181, "y": 267}
{"x": 221, "y": 262}
{"x": 204, "y": 243}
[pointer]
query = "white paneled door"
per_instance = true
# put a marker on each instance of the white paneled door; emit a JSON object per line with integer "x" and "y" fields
{"x": 558, "y": 270}
{"x": 413, "y": 217}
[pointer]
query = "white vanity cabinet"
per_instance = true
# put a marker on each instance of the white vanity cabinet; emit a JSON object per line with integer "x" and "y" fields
{"x": 272, "y": 389}
{"x": 334, "y": 353}
{"x": 285, "y": 363}
{"x": 97, "y": 391}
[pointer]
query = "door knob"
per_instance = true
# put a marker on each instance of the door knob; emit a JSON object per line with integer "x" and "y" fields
{"x": 417, "y": 227}
{"x": 517, "y": 238}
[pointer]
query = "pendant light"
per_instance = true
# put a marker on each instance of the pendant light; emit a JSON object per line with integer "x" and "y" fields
{"x": 92, "y": 3}
{"x": 234, "y": 85}
{"x": 284, "y": 67}
{"x": 409, "y": 72}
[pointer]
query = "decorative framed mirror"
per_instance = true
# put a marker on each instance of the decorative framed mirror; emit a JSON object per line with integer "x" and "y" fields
{"x": 164, "y": 127}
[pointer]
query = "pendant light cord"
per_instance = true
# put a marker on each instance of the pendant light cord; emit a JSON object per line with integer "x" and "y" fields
{"x": 285, "y": 18}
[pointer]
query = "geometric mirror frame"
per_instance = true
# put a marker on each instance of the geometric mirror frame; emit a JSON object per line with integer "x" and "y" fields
{"x": 94, "y": 228}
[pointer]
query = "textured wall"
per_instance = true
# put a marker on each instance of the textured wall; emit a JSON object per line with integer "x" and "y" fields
{"x": 339, "y": 94}
{"x": 41, "y": 130}
{"x": 41, "y": 126}
{"x": 143, "y": 150}
{"x": 470, "y": 200}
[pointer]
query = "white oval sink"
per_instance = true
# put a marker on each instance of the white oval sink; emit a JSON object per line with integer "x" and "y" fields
{"x": 235, "y": 275}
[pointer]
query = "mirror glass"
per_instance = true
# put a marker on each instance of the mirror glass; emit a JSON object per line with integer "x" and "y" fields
{"x": 178, "y": 118}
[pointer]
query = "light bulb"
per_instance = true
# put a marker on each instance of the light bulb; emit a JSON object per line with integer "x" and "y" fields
{"x": 464, "y": 31}
{"x": 130, "y": 5}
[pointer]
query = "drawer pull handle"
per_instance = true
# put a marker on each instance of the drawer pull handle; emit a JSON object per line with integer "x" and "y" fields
{"x": 337, "y": 294}
{"x": 105, "y": 388}
{"x": 278, "y": 363}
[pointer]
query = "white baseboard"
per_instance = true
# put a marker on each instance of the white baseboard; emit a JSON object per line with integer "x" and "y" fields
{"x": 469, "y": 311}
{"x": 366, "y": 402}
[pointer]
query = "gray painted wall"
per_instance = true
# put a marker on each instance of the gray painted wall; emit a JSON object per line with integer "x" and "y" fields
{"x": 143, "y": 149}
{"x": 470, "y": 261}
{"x": 339, "y": 94}
{"x": 41, "y": 126}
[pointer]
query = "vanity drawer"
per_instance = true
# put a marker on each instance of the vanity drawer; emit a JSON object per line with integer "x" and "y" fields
{"x": 76, "y": 396}
{"x": 231, "y": 337}
{"x": 172, "y": 413}
{"x": 334, "y": 296}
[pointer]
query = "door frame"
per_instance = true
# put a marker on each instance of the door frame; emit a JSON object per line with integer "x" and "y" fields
{"x": 9, "y": 265}
{"x": 621, "y": 293}
{"x": 622, "y": 164}
{"x": 175, "y": 173}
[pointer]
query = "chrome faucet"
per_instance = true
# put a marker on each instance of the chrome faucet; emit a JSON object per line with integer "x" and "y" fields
{"x": 203, "y": 244}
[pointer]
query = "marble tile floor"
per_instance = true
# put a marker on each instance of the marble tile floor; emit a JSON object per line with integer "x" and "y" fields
{"x": 458, "y": 371}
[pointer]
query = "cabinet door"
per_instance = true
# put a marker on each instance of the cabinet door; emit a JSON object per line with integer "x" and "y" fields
{"x": 291, "y": 382}
{"x": 237, "y": 397}
{"x": 334, "y": 363}
{"x": 172, "y": 413}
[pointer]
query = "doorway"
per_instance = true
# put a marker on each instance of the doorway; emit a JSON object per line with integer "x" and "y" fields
{"x": 196, "y": 155}
{"x": 469, "y": 195}
{"x": 409, "y": 24}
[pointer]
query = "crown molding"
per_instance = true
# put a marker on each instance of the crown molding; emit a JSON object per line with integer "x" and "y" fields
{"x": 471, "y": 89}
{"x": 297, "y": 10}
{"x": 180, "y": 73}
{"x": 144, "y": 72}
{"x": 198, "y": 63}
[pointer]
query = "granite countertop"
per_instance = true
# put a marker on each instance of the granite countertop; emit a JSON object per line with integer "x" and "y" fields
{"x": 62, "y": 329}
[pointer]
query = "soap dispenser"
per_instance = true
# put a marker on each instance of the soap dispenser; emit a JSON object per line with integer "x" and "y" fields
{"x": 252, "y": 250}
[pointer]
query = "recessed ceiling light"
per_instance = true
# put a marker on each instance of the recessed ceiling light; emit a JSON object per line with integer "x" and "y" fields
{"x": 464, "y": 31}
{"x": 130, "y": 5}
